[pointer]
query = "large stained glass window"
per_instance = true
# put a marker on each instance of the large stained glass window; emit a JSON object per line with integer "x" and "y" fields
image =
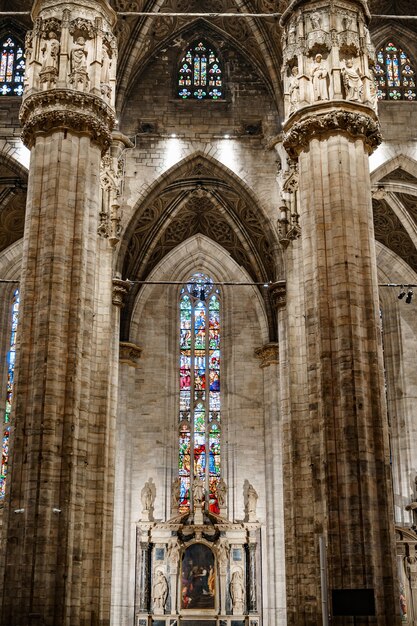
{"x": 9, "y": 391}
{"x": 199, "y": 360}
{"x": 200, "y": 76}
{"x": 12, "y": 68}
{"x": 394, "y": 74}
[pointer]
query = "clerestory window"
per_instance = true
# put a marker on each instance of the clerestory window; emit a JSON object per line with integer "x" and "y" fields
{"x": 200, "y": 75}
{"x": 12, "y": 67}
{"x": 394, "y": 74}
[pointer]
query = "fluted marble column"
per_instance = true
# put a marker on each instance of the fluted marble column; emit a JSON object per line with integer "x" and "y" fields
{"x": 336, "y": 446}
{"x": 56, "y": 564}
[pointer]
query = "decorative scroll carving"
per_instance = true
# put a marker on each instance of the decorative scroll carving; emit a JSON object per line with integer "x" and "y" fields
{"x": 120, "y": 290}
{"x": 129, "y": 353}
{"x": 61, "y": 108}
{"x": 268, "y": 354}
{"x": 357, "y": 125}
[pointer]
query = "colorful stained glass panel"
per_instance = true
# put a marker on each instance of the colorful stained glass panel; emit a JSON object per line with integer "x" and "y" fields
{"x": 394, "y": 70}
{"x": 11, "y": 356}
{"x": 12, "y": 68}
{"x": 198, "y": 68}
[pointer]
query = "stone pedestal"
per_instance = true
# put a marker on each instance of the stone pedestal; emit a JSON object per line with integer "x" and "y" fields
{"x": 336, "y": 437}
{"x": 56, "y": 568}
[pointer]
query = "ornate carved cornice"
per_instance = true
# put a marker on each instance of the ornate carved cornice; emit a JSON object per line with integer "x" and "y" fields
{"x": 268, "y": 354}
{"x": 129, "y": 353}
{"x": 120, "y": 290}
{"x": 353, "y": 123}
{"x": 70, "y": 109}
{"x": 296, "y": 4}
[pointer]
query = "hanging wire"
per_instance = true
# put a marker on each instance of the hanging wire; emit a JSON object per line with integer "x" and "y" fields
{"x": 207, "y": 15}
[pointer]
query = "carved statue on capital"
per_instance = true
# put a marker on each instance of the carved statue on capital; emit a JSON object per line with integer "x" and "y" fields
{"x": 319, "y": 77}
{"x": 50, "y": 59}
{"x": 78, "y": 77}
{"x": 352, "y": 82}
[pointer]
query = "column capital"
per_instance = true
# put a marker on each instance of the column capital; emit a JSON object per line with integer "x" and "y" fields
{"x": 120, "y": 290}
{"x": 278, "y": 293}
{"x": 62, "y": 108}
{"x": 129, "y": 353}
{"x": 319, "y": 122}
{"x": 268, "y": 354}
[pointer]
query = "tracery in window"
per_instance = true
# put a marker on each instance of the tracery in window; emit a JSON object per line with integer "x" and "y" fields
{"x": 394, "y": 74}
{"x": 12, "y": 67}
{"x": 200, "y": 74}
{"x": 199, "y": 419}
{"x": 9, "y": 392}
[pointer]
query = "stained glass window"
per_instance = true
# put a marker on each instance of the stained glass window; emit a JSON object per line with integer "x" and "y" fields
{"x": 9, "y": 392}
{"x": 394, "y": 74}
{"x": 199, "y": 360}
{"x": 200, "y": 76}
{"x": 12, "y": 68}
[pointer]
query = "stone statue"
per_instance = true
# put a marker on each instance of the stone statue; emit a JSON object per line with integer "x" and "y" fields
{"x": 294, "y": 90}
{"x": 319, "y": 78}
{"x": 105, "y": 67}
{"x": 223, "y": 551}
{"x": 50, "y": 51}
{"x": 315, "y": 19}
{"x": 173, "y": 551}
{"x": 198, "y": 491}
{"x": 237, "y": 592}
{"x": 221, "y": 492}
{"x": 147, "y": 498}
{"x": 79, "y": 56}
{"x": 159, "y": 591}
{"x": 352, "y": 81}
{"x": 252, "y": 498}
{"x": 292, "y": 33}
{"x": 176, "y": 493}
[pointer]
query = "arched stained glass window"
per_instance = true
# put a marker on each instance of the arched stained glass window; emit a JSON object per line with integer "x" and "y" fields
{"x": 394, "y": 74}
{"x": 9, "y": 392}
{"x": 12, "y": 68}
{"x": 200, "y": 75}
{"x": 199, "y": 419}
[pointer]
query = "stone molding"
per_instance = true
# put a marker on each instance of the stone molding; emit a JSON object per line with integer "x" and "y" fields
{"x": 64, "y": 108}
{"x": 268, "y": 354}
{"x": 120, "y": 290}
{"x": 129, "y": 353}
{"x": 357, "y": 125}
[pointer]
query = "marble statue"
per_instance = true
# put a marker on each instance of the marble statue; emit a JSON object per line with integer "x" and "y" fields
{"x": 50, "y": 51}
{"x": 352, "y": 81}
{"x": 237, "y": 592}
{"x": 176, "y": 493}
{"x": 252, "y": 498}
{"x": 159, "y": 591}
{"x": 294, "y": 90}
{"x": 319, "y": 78}
{"x": 221, "y": 492}
{"x": 147, "y": 498}
{"x": 79, "y": 56}
{"x": 198, "y": 491}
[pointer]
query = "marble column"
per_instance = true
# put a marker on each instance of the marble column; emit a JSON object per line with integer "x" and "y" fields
{"x": 337, "y": 456}
{"x": 143, "y": 592}
{"x": 57, "y": 559}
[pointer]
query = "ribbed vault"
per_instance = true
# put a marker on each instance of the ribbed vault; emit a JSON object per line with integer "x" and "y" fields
{"x": 200, "y": 199}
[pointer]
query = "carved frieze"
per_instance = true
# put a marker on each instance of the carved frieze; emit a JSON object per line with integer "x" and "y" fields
{"x": 357, "y": 125}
